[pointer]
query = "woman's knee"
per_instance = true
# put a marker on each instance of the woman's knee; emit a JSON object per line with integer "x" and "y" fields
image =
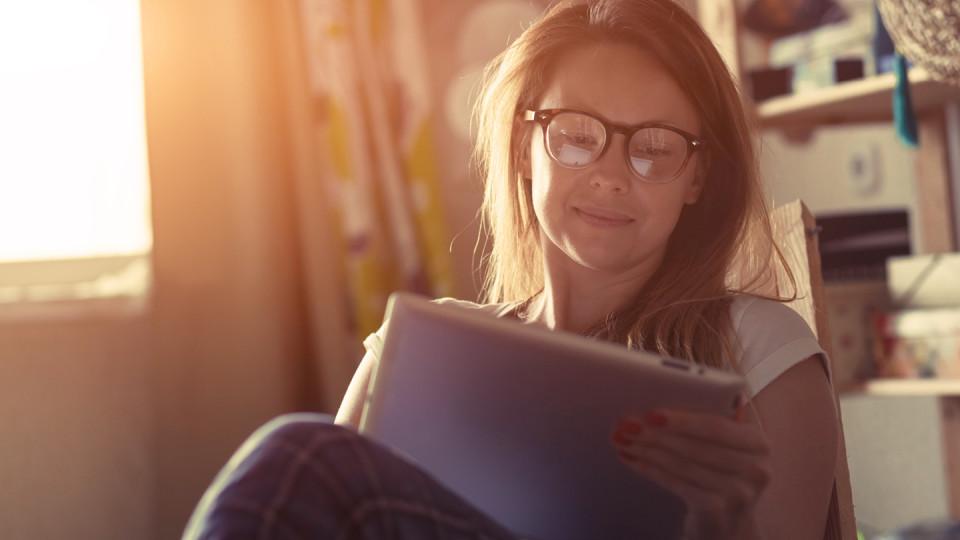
{"x": 296, "y": 427}
{"x": 281, "y": 467}
{"x": 334, "y": 456}
{"x": 315, "y": 436}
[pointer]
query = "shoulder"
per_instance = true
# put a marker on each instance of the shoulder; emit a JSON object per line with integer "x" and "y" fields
{"x": 750, "y": 312}
{"x": 771, "y": 338}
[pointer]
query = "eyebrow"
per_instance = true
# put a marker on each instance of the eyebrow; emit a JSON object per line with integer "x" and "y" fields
{"x": 593, "y": 112}
{"x": 657, "y": 121}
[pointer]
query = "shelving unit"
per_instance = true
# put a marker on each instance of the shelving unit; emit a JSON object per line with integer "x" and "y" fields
{"x": 904, "y": 387}
{"x": 854, "y": 102}
{"x": 937, "y": 108}
{"x": 870, "y": 100}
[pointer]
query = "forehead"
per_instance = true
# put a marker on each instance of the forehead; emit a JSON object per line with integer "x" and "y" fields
{"x": 620, "y": 82}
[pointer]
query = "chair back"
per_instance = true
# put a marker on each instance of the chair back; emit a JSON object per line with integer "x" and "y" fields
{"x": 795, "y": 232}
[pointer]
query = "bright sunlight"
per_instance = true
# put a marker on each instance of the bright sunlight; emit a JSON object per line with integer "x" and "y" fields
{"x": 73, "y": 157}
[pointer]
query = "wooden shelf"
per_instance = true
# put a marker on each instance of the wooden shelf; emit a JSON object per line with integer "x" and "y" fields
{"x": 860, "y": 101}
{"x": 904, "y": 387}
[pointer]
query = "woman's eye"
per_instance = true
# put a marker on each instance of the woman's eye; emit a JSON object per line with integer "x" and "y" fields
{"x": 581, "y": 139}
{"x": 651, "y": 151}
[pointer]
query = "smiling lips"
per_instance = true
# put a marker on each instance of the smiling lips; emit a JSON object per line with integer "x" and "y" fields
{"x": 602, "y": 218}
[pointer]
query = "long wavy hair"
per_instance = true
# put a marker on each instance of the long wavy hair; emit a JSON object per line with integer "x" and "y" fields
{"x": 723, "y": 245}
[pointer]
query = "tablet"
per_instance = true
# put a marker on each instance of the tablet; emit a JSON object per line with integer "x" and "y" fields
{"x": 517, "y": 419}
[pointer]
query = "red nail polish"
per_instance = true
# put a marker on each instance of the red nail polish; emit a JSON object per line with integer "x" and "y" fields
{"x": 621, "y": 438}
{"x": 630, "y": 426}
{"x": 655, "y": 419}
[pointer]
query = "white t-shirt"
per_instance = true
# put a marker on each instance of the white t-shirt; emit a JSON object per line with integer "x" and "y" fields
{"x": 772, "y": 338}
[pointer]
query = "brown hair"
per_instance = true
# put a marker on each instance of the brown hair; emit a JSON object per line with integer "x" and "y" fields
{"x": 721, "y": 246}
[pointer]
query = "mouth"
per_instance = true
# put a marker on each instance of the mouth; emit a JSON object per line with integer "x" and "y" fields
{"x": 602, "y": 218}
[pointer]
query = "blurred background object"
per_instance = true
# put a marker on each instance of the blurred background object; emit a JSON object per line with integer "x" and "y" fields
{"x": 924, "y": 281}
{"x": 928, "y": 33}
{"x": 785, "y": 17}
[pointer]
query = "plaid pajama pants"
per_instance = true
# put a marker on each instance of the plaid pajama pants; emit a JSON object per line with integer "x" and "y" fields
{"x": 302, "y": 477}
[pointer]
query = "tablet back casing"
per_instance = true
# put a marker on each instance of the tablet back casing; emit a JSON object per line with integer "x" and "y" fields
{"x": 517, "y": 419}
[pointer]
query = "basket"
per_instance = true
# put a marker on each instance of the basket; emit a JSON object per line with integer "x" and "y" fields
{"x": 927, "y": 32}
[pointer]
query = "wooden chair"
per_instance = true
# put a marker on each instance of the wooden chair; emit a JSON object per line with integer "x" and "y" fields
{"x": 795, "y": 231}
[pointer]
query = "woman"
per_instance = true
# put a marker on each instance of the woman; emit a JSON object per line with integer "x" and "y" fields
{"x": 620, "y": 189}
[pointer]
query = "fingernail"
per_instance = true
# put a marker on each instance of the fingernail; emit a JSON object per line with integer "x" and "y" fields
{"x": 655, "y": 419}
{"x": 627, "y": 456}
{"x": 621, "y": 438}
{"x": 630, "y": 426}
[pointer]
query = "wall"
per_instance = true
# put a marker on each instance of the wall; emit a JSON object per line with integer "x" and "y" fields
{"x": 820, "y": 170}
{"x": 228, "y": 337}
{"x": 113, "y": 425}
{"x": 895, "y": 459}
{"x": 75, "y": 453}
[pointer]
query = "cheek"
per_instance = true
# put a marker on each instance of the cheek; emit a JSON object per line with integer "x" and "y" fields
{"x": 677, "y": 194}
{"x": 662, "y": 204}
{"x": 547, "y": 187}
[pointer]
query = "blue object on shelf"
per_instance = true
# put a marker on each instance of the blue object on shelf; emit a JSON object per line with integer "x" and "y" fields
{"x": 883, "y": 50}
{"x": 904, "y": 117}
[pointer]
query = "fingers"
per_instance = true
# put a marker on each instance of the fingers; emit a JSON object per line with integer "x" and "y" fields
{"x": 719, "y": 466}
{"x": 710, "y": 428}
{"x": 746, "y": 486}
{"x": 716, "y": 447}
{"x": 714, "y": 458}
{"x": 715, "y": 510}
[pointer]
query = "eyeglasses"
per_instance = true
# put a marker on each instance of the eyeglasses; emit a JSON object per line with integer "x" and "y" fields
{"x": 655, "y": 152}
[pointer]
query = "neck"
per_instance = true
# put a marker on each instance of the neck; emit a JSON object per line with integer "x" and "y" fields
{"x": 575, "y": 297}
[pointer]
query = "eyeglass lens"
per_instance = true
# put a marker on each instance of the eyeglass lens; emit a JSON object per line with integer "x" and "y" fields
{"x": 577, "y": 140}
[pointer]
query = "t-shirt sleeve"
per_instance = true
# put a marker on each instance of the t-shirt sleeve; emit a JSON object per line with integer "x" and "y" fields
{"x": 773, "y": 338}
{"x": 374, "y": 342}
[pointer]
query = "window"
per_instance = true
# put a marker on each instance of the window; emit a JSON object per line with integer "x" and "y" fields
{"x": 74, "y": 190}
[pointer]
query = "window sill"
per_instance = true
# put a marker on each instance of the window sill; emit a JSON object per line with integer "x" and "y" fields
{"x": 95, "y": 287}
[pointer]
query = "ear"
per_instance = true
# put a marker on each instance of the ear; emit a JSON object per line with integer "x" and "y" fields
{"x": 695, "y": 189}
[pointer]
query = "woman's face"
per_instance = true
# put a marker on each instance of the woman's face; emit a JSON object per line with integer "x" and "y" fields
{"x": 603, "y": 216}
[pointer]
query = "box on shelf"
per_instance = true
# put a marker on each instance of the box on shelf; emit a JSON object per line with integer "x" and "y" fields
{"x": 924, "y": 281}
{"x": 918, "y": 343}
{"x": 829, "y": 54}
{"x": 766, "y": 83}
{"x": 855, "y": 246}
{"x": 851, "y": 306}
{"x": 824, "y": 72}
{"x": 769, "y": 83}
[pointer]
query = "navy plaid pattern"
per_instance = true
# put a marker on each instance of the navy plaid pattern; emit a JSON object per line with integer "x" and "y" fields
{"x": 302, "y": 477}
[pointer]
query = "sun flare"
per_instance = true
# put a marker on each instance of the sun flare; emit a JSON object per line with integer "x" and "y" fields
{"x": 73, "y": 155}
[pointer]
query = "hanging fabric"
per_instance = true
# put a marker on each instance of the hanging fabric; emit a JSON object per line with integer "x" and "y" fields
{"x": 368, "y": 77}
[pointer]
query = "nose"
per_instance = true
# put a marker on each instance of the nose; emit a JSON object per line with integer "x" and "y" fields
{"x": 614, "y": 182}
{"x": 611, "y": 172}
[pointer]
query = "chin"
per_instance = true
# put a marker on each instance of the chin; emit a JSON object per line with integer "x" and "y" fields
{"x": 608, "y": 261}
{"x": 611, "y": 257}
